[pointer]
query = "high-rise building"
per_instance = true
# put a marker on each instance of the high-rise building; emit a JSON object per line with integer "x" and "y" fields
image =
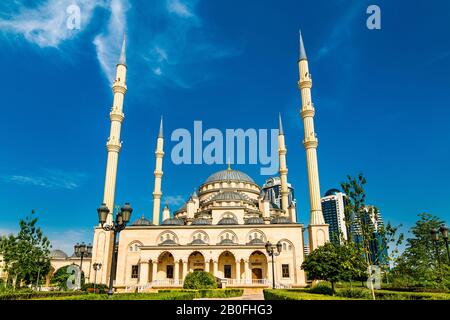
{"x": 273, "y": 189}
{"x": 372, "y": 221}
{"x": 333, "y": 204}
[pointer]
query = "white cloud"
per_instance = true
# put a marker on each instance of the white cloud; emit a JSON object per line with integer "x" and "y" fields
{"x": 52, "y": 179}
{"x": 174, "y": 200}
{"x": 179, "y": 8}
{"x": 66, "y": 239}
{"x": 109, "y": 42}
{"x": 46, "y": 24}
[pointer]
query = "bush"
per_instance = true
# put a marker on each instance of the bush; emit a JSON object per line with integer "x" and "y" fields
{"x": 132, "y": 296}
{"x": 211, "y": 293}
{"x": 321, "y": 289}
{"x": 296, "y": 295}
{"x": 25, "y": 295}
{"x": 354, "y": 293}
{"x": 200, "y": 280}
{"x": 398, "y": 295}
{"x": 99, "y": 288}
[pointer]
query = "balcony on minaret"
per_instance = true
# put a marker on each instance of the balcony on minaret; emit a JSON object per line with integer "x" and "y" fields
{"x": 311, "y": 141}
{"x": 119, "y": 86}
{"x": 305, "y": 80}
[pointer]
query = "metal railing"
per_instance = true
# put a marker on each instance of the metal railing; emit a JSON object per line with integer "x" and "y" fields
{"x": 247, "y": 282}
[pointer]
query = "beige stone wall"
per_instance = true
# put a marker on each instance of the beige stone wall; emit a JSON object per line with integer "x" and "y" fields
{"x": 141, "y": 246}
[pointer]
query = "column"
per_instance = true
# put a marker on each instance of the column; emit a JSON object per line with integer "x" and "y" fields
{"x": 176, "y": 271}
{"x": 143, "y": 272}
{"x": 207, "y": 265}
{"x": 238, "y": 270}
{"x": 154, "y": 271}
{"x": 185, "y": 269}
{"x": 248, "y": 272}
{"x": 216, "y": 268}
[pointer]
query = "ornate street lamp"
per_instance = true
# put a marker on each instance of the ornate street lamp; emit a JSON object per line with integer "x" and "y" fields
{"x": 82, "y": 250}
{"x": 273, "y": 250}
{"x": 40, "y": 261}
{"x": 118, "y": 224}
{"x": 444, "y": 231}
{"x": 435, "y": 237}
{"x": 97, "y": 266}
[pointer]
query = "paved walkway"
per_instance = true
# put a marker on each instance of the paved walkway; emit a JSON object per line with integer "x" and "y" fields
{"x": 247, "y": 295}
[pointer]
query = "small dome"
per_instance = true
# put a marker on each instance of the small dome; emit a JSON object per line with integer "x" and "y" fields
{"x": 228, "y": 196}
{"x": 256, "y": 241}
{"x": 332, "y": 192}
{"x": 226, "y": 241}
{"x": 201, "y": 221}
{"x": 229, "y": 175}
{"x": 173, "y": 222}
{"x": 198, "y": 242}
{"x": 255, "y": 220}
{"x": 168, "y": 242}
{"x": 141, "y": 222}
{"x": 58, "y": 254}
{"x": 227, "y": 220}
{"x": 280, "y": 220}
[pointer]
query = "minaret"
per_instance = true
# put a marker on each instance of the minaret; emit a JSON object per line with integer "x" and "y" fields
{"x": 283, "y": 167}
{"x": 102, "y": 248}
{"x": 114, "y": 144}
{"x": 318, "y": 230}
{"x": 157, "y": 194}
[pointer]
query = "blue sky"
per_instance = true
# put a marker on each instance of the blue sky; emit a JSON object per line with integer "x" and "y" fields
{"x": 382, "y": 100}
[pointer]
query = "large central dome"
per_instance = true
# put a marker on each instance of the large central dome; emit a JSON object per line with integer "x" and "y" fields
{"x": 229, "y": 175}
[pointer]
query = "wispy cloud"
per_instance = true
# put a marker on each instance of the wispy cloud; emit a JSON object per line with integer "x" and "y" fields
{"x": 66, "y": 239}
{"x": 109, "y": 41}
{"x": 50, "y": 178}
{"x": 179, "y": 8}
{"x": 45, "y": 24}
{"x": 174, "y": 200}
{"x": 343, "y": 27}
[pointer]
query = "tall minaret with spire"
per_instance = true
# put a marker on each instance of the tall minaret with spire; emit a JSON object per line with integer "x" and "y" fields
{"x": 103, "y": 241}
{"x": 157, "y": 194}
{"x": 318, "y": 230}
{"x": 283, "y": 167}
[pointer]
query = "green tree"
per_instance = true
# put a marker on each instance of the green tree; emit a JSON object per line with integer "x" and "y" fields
{"x": 419, "y": 262}
{"x": 62, "y": 275}
{"x": 27, "y": 254}
{"x": 334, "y": 263}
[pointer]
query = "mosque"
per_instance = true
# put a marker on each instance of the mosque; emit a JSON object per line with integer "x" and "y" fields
{"x": 223, "y": 226}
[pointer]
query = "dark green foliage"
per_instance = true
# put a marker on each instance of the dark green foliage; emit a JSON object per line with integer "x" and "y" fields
{"x": 354, "y": 293}
{"x": 334, "y": 263}
{"x": 28, "y": 294}
{"x": 296, "y": 295}
{"x": 62, "y": 275}
{"x": 27, "y": 254}
{"x": 99, "y": 288}
{"x": 418, "y": 265}
{"x": 131, "y": 296}
{"x": 211, "y": 293}
{"x": 200, "y": 280}
{"x": 321, "y": 289}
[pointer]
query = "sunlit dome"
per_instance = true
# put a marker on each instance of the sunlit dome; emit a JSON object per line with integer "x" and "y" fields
{"x": 58, "y": 254}
{"x": 332, "y": 192}
{"x": 229, "y": 175}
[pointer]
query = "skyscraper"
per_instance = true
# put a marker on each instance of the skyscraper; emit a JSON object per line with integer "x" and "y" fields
{"x": 333, "y": 204}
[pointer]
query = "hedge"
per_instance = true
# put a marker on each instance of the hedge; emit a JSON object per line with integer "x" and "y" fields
{"x": 210, "y": 293}
{"x": 270, "y": 294}
{"x": 39, "y": 294}
{"x": 401, "y": 295}
{"x": 132, "y": 296}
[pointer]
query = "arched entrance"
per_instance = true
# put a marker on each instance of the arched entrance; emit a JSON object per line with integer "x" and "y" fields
{"x": 166, "y": 266}
{"x": 258, "y": 265}
{"x": 196, "y": 261}
{"x": 227, "y": 265}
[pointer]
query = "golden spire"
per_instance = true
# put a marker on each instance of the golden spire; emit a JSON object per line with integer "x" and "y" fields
{"x": 229, "y": 165}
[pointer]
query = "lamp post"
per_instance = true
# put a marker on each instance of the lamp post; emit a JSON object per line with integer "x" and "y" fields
{"x": 40, "y": 261}
{"x": 82, "y": 250}
{"x": 444, "y": 231}
{"x": 96, "y": 266}
{"x": 435, "y": 237}
{"x": 273, "y": 250}
{"x": 118, "y": 224}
